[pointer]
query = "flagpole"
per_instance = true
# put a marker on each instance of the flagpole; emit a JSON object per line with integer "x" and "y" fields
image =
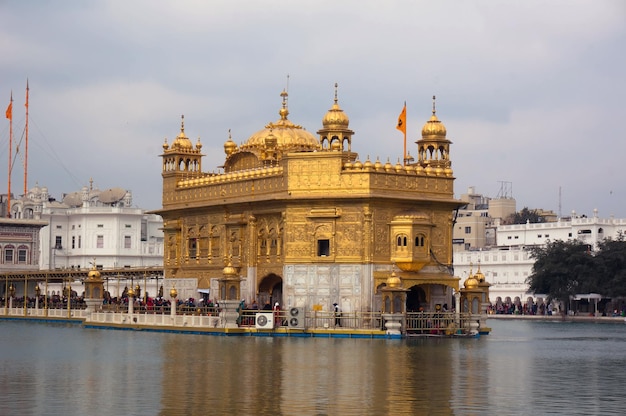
{"x": 405, "y": 145}
{"x": 9, "y": 115}
{"x": 26, "y": 150}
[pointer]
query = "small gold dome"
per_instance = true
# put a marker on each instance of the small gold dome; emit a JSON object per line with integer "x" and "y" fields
{"x": 393, "y": 280}
{"x": 93, "y": 274}
{"x": 335, "y": 117}
{"x": 182, "y": 142}
{"x": 434, "y": 127}
{"x": 471, "y": 282}
{"x": 229, "y": 146}
{"x": 173, "y": 293}
{"x": 229, "y": 270}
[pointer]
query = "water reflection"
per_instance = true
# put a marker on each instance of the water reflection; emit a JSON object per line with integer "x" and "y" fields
{"x": 521, "y": 368}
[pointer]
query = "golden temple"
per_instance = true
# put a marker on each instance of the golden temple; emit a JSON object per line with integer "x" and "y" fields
{"x": 300, "y": 220}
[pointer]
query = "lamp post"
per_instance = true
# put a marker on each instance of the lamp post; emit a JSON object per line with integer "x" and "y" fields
{"x": 131, "y": 299}
{"x": 6, "y": 294}
{"x": 45, "y": 298}
{"x": 145, "y": 289}
{"x": 37, "y": 293}
{"x": 25, "y": 294}
{"x": 11, "y": 295}
{"x": 173, "y": 294}
{"x": 69, "y": 299}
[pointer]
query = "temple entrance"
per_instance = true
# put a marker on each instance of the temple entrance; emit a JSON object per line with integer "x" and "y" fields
{"x": 270, "y": 291}
{"x": 416, "y": 298}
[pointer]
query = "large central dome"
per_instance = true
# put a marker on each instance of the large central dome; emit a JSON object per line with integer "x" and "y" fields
{"x": 287, "y": 136}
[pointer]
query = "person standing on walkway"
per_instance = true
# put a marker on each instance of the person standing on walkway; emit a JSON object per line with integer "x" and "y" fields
{"x": 337, "y": 312}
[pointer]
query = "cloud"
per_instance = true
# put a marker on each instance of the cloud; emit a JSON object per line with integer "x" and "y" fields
{"x": 531, "y": 92}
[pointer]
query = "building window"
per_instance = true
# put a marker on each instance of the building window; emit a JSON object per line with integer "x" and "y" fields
{"x": 538, "y": 235}
{"x": 58, "y": 242}
{"x": 419, "y": 241}
{"x": 100, "y": 241}
{"x": 126, "y": 241}
{"x": 128, "y": 226}
{"x": 468, "y": 230}
{"x": 100, "y": 225}
{"x": 59, "y": 227}
{"x": 21, "y": 256}
{"x": 8, "y": 255}
{"x": 79, "y": 240}
{"x": 401, "y": 241}
{"x": 323, "y": 248}
{"x": 73, "y": 242}
{"x": 193, "y": 246}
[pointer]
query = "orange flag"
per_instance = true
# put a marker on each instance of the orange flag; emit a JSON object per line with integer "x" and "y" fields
{"x": 402, "y": 120}
{"x": 9, "y": 112}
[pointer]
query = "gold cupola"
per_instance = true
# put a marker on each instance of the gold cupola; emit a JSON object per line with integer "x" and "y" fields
{"x": 434, "y": 148}
{"x": 182, "y": 142}
{"x": 335, "y": 117}
{"x": 289, "y": 137}
{"x": 471, "y": 282}
{"x": 335, "y": 133}
{"x": 230, "y": 146}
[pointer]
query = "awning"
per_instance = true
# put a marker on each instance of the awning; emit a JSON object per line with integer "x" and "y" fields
{"x": 587, "y": 296}
{"x": 207, "y": 291}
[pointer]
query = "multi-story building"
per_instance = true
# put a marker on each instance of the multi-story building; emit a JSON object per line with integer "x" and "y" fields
{"x": 504, "y": 258}
{"x": 92, "y": 225}
{"x": 302, "y": 221}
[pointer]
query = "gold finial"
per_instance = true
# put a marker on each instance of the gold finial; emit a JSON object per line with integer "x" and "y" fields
{"x": 336, "y": 85}
{"x": 284, "y": 112}
{"x": 182, "y": 124}
{"x": 229, "y": 136}
{"x": 434, "y": 110}
{"x": 90, "y": 184}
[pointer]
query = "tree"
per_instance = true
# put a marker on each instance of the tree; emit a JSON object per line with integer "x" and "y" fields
{"x": 524, "y": 216}
{"x": 611, "y": 267}
{"x": 562, "y": 269}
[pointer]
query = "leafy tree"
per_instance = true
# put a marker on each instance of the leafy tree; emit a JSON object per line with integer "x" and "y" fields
{"x": 562, "y": 269}
{"x": 611, "y": 267}
{"x": 525, "y": 215}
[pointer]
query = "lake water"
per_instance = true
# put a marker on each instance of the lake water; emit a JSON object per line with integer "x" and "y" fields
{"x": 521, "y": 368}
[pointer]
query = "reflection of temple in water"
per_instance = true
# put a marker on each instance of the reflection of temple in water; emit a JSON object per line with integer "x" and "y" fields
{"x": 305, "y": 222}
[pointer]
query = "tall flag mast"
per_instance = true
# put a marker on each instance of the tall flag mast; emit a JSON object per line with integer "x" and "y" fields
{"x": 9, "y": 115}
{"x": 402, "y": 127}
{"x": 26, "y": 150}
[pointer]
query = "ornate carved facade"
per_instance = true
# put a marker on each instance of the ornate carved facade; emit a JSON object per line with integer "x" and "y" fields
{"x": 304, "y": 222}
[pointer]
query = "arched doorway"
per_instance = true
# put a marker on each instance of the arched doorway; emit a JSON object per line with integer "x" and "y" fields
{"x": 416, "y": 298}
{"x": 270, "y": 291}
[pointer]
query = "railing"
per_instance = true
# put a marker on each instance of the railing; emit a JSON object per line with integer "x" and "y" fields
{"x": 416, "y": 323}
{"x": 438, "y": 323}
{"x": 319, "y": 319}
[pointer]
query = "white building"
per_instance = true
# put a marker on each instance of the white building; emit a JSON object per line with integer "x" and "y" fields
{"x": 93, "y": 225}
{"x": 506, "y": 262}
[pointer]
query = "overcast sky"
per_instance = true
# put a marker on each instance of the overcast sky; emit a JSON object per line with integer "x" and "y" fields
{"x": 532, "y": 93}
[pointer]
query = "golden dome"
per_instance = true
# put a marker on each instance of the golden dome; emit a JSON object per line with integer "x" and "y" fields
{"x": 471, "y": 282}
{"x": 229, "y": 270}
{"x": 182, "y": 142}
{"x": 93, "y": 274}
{"x": 335, "y": 117}
{"x": 393, "y": 280}
{"x": 434, "y": 127}
{"x": 289, "y": 136}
